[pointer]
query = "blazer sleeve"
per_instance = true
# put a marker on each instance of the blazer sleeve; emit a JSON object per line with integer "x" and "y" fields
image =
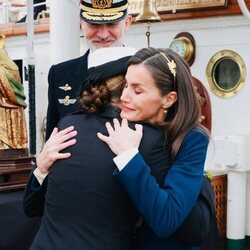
{"x": 52, "y": 114}
{"x": 34, "y": 197}
{"x": 165, "y": 208}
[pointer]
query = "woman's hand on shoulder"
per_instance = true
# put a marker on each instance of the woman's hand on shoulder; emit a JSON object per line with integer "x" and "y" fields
{"x": 120, "y": 137}
{"x": 51, "y": 150}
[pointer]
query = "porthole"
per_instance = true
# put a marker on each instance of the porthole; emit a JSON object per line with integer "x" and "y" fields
{"x": 226, "y": 73}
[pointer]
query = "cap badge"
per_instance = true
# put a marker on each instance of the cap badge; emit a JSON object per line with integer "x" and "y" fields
{"x": 101, "y": 4}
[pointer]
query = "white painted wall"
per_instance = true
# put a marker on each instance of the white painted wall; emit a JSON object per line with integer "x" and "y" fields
{"x": 229, "y": 116}
{"x": 211, "y": 35}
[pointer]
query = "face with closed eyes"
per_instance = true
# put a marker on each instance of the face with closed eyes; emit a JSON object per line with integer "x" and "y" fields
{"x": 141, "y": 98}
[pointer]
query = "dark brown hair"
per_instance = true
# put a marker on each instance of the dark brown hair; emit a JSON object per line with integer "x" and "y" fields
{"x": 102, "y": 95}
{"x": 185, "y": 113}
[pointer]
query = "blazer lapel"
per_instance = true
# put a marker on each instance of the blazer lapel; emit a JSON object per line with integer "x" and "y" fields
{"x": 82, "y": 67}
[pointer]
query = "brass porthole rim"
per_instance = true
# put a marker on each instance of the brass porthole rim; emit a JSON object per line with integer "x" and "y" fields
{"x": 213, "y": 62}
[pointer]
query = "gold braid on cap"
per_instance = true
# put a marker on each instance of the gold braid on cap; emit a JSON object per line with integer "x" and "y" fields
{"x": 104, "y": 11}
{"x": 171, "y": 64}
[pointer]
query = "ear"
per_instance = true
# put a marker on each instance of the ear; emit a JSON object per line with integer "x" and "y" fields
{"x": 81, "y": 23}
{"x": 169, "y": 99}
{"x": 128, "y": 21}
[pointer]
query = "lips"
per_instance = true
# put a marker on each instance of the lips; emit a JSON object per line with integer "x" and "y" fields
{"x": 128, "y": 113}
{"x": 103, "y": 43}
{"x": 126, "y": 109}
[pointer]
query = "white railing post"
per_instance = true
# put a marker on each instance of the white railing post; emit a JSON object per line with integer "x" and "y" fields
{"x": 4, "y": 11}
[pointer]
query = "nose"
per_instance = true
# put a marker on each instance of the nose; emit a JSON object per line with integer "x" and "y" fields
{"x": 103, "y": 31}
{"x": 125, "y": 95}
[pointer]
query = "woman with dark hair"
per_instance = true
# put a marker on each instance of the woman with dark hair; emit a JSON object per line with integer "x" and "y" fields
{"x": 159, "y": 90}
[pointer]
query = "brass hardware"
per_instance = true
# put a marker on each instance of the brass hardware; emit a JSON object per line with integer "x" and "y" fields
{"x": 184, "y": 45}
{"x": 148, "y": 14}
{"x": 226, "y": 73}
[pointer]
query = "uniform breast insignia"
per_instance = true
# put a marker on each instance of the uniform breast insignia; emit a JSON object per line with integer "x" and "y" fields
{"x": 66, "y": 87}
{"x": 67, "y": 101}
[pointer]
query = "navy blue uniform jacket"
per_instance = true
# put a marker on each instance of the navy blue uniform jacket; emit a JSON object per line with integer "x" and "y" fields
{"x": 164, "y": 209}
{"x": 85, "y": 206}
{"x": 64, "y": 80}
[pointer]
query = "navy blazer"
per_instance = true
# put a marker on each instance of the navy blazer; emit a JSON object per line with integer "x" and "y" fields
{"x": 165, "y": 208}
{"x": 85, "y": 207}
{"x": 64, "y": 80}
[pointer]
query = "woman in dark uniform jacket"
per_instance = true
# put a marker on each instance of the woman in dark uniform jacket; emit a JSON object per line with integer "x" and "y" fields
{"x": 85, "y": 207}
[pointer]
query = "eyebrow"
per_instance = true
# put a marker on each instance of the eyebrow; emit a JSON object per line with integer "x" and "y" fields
{"x": 134, "y": 84}
{"x": 141, "y": 84}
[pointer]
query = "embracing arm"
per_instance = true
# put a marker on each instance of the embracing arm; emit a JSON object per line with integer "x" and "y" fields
{"x": 34, "y": 195}
{"x": 165, "y": 208}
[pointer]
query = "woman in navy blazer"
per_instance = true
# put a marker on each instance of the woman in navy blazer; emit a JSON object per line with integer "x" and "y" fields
{"x": 159, "y": 90}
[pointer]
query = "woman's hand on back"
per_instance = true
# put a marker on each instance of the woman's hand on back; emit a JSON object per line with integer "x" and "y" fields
{"x": 120, "y": 137}
{"x": 51, "y": 150}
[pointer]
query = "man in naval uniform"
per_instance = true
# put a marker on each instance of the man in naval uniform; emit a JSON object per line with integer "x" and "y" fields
{"x": 104, "y": 24}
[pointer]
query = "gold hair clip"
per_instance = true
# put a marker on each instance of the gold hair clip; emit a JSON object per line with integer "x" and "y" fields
{"x": 171, "y": 64}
